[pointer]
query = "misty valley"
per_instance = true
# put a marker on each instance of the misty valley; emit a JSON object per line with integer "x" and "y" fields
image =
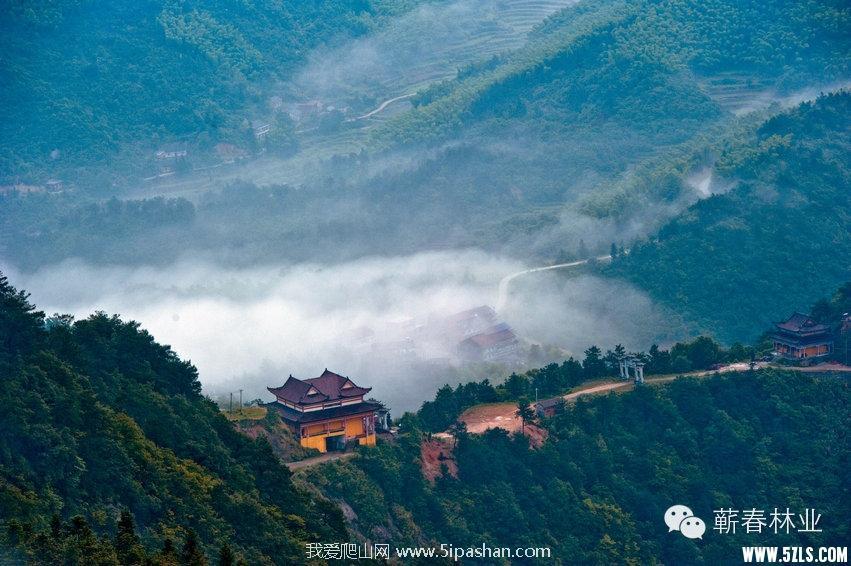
{"x": 475, "y": 212}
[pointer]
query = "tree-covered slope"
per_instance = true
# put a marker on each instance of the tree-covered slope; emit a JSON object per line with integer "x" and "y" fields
{"x": 779, "y": 240}
{"x": 643, "y": 64}
{"x": 597, "y": 489}
{"x": 98, "y": 418}
{"x": 92, "y": 79}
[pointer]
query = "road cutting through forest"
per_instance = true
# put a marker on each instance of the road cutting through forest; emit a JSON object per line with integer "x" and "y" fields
{"x": 503, "y": 415}
{"x": 502, "y": 295}
{"x": 381, "y": 107}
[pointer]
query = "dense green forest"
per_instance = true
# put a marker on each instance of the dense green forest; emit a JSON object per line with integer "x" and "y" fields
{"x": 596, "y": 491}
{"x": 111, "y": 81}
{"x": 599, "y": 118}
{"x": 109, "y": 450}
{"x": 611, "y": 104}
{"x": 775, "y": 243}
{"x": 586, "y": 138}
{"x": 648, "y": 66}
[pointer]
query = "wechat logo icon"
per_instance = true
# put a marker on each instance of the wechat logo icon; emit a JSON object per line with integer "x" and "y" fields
{"x": 680, "y": 518}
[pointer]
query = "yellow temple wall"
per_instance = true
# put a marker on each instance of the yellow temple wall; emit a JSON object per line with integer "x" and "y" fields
{"x": 317, "y": 433}
{"x": 317, "y": 442}
{"x": 354, "y": 427}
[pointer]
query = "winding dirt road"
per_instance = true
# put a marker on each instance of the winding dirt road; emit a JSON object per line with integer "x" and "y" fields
{"x": 502, "y": 415}
{"x": 502, "y": 296}
{"x": 381, "y": 107}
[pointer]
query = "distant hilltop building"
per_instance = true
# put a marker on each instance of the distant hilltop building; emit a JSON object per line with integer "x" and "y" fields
{"x": 800, "y": 337}
{"x": 326, "y": 412}
{"x": 495, "y": 344}
{"x": 261, "y": 128}
{"x": 171, "y": 151}
{"x": 54, "y": 185}
{"x": 303, "y": 110}
{"x": 549, "y": 407}
{"x": 470, "y": 322}
{"x": 169, "y": 157}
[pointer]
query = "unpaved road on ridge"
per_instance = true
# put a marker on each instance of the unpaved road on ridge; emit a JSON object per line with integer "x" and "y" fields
{"x": 328, "y": 457}
{"x": 502, "y": 415}
{"x": 502, "y": 296}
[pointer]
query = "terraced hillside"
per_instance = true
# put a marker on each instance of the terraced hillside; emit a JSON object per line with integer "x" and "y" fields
{"x": 613, "y": 60}
{"x": 426, "y": 46}
{"x": 429, "y": 44}
{"x": 105, "y": 85}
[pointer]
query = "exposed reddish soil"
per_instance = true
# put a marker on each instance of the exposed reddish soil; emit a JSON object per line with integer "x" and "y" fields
{"x": 435, "y": 452}
{"x": 536, "y": 434}
{"x": 501, "y": 415}
{"x": 495, "y": 415}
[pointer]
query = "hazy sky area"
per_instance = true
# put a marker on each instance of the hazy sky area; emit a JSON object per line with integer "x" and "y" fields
{"x": 251, "y": 328}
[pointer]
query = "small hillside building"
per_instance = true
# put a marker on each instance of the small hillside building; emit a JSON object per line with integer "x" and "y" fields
{"x": 495, "y": 344}
{"x": 171, "y": 152}
{"x": 326, "y": 412}
{"x": 261, "y": 128}
{"x": 800, "y": 337}
{"x": 549, "y": 407}
{"x": 470, "y": 322}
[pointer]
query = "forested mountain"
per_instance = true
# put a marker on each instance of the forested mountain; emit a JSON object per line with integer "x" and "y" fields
{"x": 595, "y": 122}
{"x": 778, "y": 241}
{"x": 601, "y": 90}
{"x": 99, "y": 419}
{"x": 596, "y": 491}
{"x": 646, "y": 65}
{"x": 103, "y": 81}
{"x": 110, "y": 453}
{"x": 301, "y": 209}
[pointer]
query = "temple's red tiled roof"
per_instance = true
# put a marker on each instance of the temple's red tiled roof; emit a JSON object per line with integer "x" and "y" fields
{"x": 802, "y": 324}
{"x": 327, "y": 387}
{"x": 550, "y": 403}
{"x": 494, "y": 335}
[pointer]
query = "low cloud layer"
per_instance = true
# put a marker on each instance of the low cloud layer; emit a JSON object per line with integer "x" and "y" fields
{"x": 250, "y": 328}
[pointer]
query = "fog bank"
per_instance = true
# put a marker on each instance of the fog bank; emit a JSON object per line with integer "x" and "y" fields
{"x": 249, "y": 328}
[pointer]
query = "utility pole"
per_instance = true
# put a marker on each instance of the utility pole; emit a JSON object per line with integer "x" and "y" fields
{"x": 240, "y": 399}
{"x": 230, "y": 406}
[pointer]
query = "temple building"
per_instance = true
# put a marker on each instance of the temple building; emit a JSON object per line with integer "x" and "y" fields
{"x": 326, "y": 412}
{"x": 801, "y": 337}
{"x": 495, "y": 344}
